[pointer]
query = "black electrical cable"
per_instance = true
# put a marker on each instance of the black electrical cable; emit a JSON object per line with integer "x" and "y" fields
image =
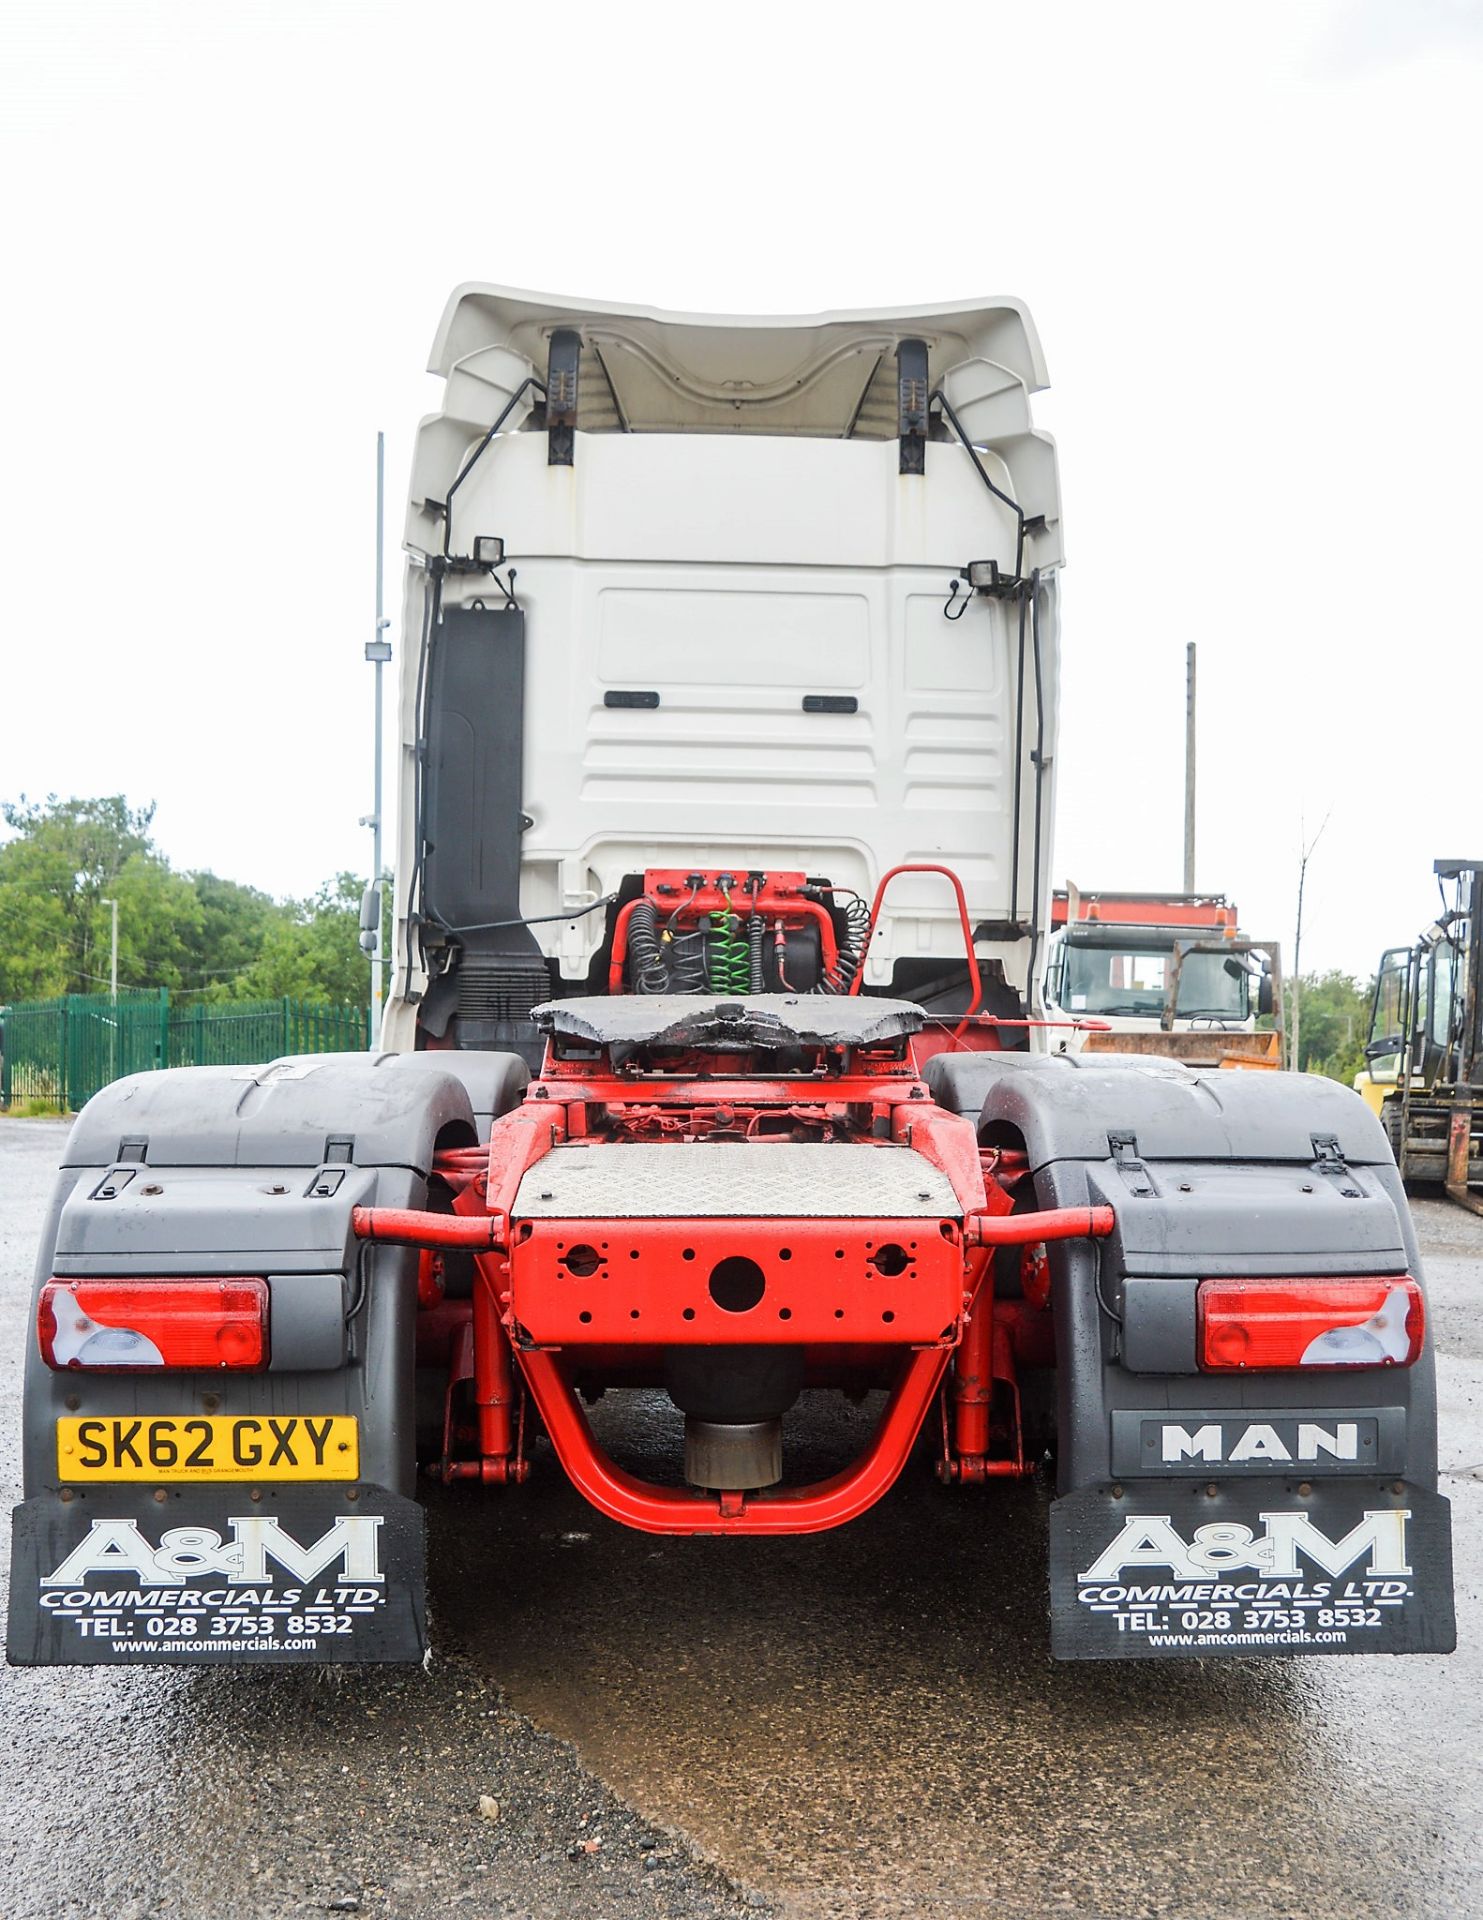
{"x": 1019, "y": 560}
{"x": 1019, "y": 738}
{"x": 1111, "y": 1312}
{"x": 358, "y": 1301}
{"x": 983, "y": 473}
{"x": 683, "y": 907}
{"x": 1039, "y": 778}
{"x": 432, "y": 603}
{"x": 478, "y": 454}
{"x": 521, "y": 919}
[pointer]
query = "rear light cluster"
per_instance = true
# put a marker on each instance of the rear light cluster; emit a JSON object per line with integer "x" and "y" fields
{"x": 133, "y": 1326}
{"x": 1310, "y": 1323}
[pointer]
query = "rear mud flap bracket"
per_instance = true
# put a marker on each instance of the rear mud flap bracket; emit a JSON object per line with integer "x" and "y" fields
{"x": 1252, "y": 1568}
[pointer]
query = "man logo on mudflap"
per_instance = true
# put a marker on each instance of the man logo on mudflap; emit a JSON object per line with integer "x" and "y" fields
{"x": 1149, "y": 1540}
{"x": 186, "y": 1553}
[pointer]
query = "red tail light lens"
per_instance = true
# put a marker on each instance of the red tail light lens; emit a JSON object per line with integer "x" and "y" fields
{"x": 129, "y": 1326}
{"x": 1310, "y": 1323}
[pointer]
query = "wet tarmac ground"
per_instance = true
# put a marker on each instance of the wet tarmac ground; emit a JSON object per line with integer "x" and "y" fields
{"x": 862, "y": 1723}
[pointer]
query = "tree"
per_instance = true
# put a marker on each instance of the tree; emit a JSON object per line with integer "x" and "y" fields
{"x": 235, "y": 922}
{"x": 312, "y": 951}
{"x": 66, "y": 858}
{"x": 1336, "y": 1017}
{"x": 196, "y": 933}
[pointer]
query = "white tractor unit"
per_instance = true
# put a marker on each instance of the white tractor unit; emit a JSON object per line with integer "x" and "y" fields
{"x": 715, "y": 1070}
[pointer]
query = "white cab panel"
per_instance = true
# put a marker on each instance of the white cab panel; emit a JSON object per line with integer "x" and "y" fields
{"x": 733, "y": 574}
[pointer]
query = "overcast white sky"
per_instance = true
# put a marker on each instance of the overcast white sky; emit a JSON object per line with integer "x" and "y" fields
{"x": 1248, "y": 232}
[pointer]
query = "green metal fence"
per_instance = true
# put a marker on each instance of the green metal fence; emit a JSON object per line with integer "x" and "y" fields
{"x": 57, "y": 1053}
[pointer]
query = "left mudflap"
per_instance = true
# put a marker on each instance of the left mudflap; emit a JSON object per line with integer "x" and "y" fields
{"x": 1169, "y": 1570}
{"x": 113, "y": 1576}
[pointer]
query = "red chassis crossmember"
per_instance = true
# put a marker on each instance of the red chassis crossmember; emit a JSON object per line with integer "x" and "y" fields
{"x": 889, "y": 1301}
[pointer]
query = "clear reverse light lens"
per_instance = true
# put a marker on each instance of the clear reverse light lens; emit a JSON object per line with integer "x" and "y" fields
{"x": 118, "y": 1326}
{"x": 1245, "y": 1324}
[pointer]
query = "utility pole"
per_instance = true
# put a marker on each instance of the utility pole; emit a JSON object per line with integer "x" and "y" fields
{"x": 378, "y": 652}
{"x": 113, "y": 958}
{"x": 113, "y": 993}
{"x": 1189, "y": 767}
{"x": 1295, "y": 991}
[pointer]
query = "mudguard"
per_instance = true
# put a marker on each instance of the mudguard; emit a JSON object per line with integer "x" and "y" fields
{"x": 1159, "y": 1569}
{"x": 217, "y": 1574}
{"x": 1204, "y": 1513}
{"x": 239, "y": 1170}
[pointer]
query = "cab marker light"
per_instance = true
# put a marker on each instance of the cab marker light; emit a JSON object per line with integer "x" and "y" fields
{"x": 1247, "y": 1324}
{"x": 130, "y": 1326}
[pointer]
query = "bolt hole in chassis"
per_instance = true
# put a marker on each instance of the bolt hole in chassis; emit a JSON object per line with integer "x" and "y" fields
{"x": 746, "y": 1169}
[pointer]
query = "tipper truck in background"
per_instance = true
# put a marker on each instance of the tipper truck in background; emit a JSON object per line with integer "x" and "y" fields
{"x": 728, "y": 747}
{"x": 1164, "y": 974}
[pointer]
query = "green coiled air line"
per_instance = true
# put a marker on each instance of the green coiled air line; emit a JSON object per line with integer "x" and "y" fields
{"x": 729, "y": 956}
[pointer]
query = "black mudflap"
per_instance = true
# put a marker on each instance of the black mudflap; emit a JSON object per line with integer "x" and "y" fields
{"x": 1169, "y": 1570}
{"x": 212, "y": 1575}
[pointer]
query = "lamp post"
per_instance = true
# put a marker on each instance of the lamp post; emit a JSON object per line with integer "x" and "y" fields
{"x": 1189, "y": 767}
{"x": 113, "y": 993}
{"x": 378, "y": 652}
{"x": 113, "y": 958}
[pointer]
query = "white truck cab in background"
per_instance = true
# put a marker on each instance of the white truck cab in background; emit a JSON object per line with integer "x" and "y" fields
{"x": 1131, "y": 965}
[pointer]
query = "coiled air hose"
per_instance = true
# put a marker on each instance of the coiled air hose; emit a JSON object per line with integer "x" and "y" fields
{"x": 852, "y": 948}
{"x": 649, "y": 968}
{"x": 687, "y": 959}
{"x": 756, "y": 928}
{"x": 730, "y": 959}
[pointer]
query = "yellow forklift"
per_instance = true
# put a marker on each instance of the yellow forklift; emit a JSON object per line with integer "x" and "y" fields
{"x": 1425, "y": 1049}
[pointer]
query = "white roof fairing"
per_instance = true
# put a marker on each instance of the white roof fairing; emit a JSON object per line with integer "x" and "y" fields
{"x": 734, "y": 534}
{"x": 827, "y": 373}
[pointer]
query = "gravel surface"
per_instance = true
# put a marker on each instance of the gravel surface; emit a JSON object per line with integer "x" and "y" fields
{"x": 227, "y": 1795}
{"x": 863, "y": 1723}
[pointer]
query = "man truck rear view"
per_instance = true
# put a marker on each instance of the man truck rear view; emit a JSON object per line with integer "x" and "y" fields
{"x": 728, "y": 736}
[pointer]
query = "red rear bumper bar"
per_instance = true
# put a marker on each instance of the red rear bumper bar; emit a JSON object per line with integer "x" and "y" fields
{"x": 406, "y": 1227}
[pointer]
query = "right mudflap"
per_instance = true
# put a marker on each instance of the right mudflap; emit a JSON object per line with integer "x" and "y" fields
{"x": 1167, "y": 1569}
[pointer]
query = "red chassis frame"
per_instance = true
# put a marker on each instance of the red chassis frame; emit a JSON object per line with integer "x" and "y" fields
{"x": 871, "y": 1301}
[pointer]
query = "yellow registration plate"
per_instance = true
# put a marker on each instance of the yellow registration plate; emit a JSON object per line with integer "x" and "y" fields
{"x": 223, "y": 1446}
